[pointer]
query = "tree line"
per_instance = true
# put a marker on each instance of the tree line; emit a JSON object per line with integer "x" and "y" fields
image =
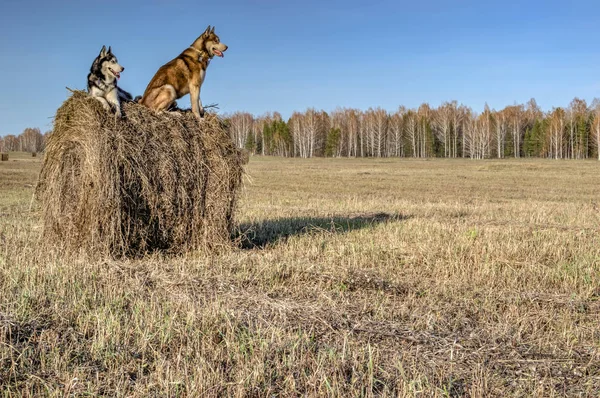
{"x": 450, "y": 131}
{"x": 30, "y": 140}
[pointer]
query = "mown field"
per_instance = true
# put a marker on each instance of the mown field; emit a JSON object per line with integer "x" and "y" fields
{"x": 355, "y": 278}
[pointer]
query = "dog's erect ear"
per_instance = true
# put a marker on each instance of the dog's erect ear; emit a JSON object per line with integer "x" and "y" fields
{"x": 109, "y": 50}
{"x": 212, "y": 30}
{"x": 103, "y": 51}
{"x": 206, "y": 32}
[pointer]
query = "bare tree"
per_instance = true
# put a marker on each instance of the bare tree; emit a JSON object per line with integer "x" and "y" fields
{"x": 366, "y": 133}
{"x": 30, "y": 140}
{"x": 376, "y": 126}
{"x": 424, "y": 129}
{"x": 11, "y": 143}
{"x": 296, "y": 125}
{"x": 411, "y": 125}
{"x": 578, "y": 134}
{"x": 308, "y": 131}
{"x": 485, "y": 132}
{"x": 470, "y": 134}
{"x": 395, "y": 144}
{"x": 477, "y": 135}
{"x": 516, "y": 117}
{"x": 596, "y": 124}
{"x": 460, "y": 117}
{"x": 442, "y": 123}
{"x": 353, "y": 124}
{"x": 555, "y": 134}
{"x": 241, "y": 128}
{"x": 501, "y": 130}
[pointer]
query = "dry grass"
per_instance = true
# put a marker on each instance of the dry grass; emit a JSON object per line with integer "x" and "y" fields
{"x": 357, "y": 278}
{"x": 127, "y": 187}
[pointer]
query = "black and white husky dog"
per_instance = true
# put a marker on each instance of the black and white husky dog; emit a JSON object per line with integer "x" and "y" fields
{"x": 102, "y": 81}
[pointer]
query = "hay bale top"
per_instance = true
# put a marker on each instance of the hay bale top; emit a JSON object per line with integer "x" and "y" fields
{"x": 146, "y": 182}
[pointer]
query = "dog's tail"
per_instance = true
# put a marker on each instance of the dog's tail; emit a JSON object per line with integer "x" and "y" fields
{"x": 137, "y": 98}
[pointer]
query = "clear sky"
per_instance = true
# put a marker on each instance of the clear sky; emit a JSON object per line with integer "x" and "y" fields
{"x": 290, "y": 55}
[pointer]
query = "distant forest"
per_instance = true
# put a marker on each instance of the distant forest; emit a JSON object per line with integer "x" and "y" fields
{"x": 448, "y": 131}
{"x": 30, "y": 140}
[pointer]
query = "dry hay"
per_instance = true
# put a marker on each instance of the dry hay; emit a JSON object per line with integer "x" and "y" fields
{"x": 124, "y": 187}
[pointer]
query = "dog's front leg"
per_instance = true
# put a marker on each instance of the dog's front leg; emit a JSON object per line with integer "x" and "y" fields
{"x": 104, "y": 103}
{"x": 113, "y": 98}
{"x": 200, "y": 101}
{"x": 196, "y": 104}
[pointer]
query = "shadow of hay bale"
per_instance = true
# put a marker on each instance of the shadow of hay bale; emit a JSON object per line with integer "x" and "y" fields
{"x": 124, "y": 187}
{"x": 269, "y": 232}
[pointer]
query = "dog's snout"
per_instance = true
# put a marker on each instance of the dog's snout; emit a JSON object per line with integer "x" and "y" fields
{"x": 122, "y": 69}
{"x": 226, "y": 47}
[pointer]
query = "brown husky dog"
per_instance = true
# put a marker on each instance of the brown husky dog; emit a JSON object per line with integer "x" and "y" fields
{"x": 184, "y": 75}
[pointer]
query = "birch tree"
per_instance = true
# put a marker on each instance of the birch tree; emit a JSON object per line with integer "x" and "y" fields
{"x": 424, "y": 130}
{"x": 241, "y": 128}
{"x": 596, "y": 124}
{"x": 352, "y": 117}
{"x": 555, "y": 134}
{"x": 411, "y": 125}
{"x": 442, "y": 122}
{"x": 30, "y": 140}
{"x": 376, "y": 126}
{"x": 516, "y": 118}
{"x": 11, "y": 143}
{"x": 308, "y": 132}
{"x": 395, "y": 144}
{"x": 501, "y": 130}
{"x": 578, "y": 129}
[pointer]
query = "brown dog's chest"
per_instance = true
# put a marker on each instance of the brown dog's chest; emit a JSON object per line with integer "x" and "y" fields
{"x": 201, "y": 76}
{"x": 199, "y": 72}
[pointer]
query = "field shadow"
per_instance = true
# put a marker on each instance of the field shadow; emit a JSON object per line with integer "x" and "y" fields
{"x": 263, "y": 233}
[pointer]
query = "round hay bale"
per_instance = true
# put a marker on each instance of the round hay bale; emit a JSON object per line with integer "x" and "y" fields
{"x": 125, "y": 187}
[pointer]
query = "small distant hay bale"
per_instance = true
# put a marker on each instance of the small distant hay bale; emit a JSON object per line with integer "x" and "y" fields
{"x": 4, "y": 157}
{"x": 147, "y": 182}
{"x": 34, "y": 154}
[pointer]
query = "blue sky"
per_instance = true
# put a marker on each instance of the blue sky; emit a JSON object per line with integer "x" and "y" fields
{"x": 290, "y": 55}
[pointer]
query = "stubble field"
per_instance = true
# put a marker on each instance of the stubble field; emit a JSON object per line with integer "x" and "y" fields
{"x": 355, "y": 277}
